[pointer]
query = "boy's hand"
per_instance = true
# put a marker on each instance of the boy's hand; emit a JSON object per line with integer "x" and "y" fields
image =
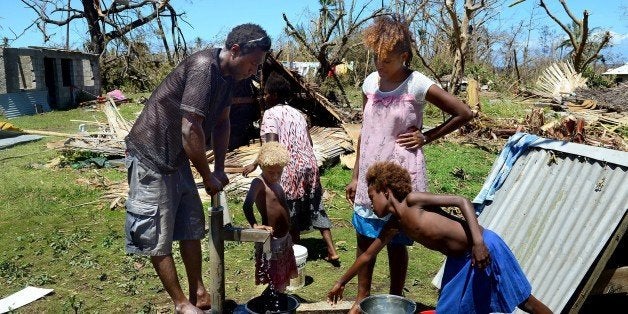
{"x": 335, "y": 294}
{"x": 248, "y": 169}
{"x": 481, "y": 258}
{"x": 264, "y": 227}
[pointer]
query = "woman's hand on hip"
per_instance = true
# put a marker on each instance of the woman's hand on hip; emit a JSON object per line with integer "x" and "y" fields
{"x": 350, "y": 191}
{"x": 411, "y": 140}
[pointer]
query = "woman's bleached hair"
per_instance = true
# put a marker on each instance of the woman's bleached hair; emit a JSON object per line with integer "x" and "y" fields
{"x": 273, "y": 154}
{"x": 388, "y": 34}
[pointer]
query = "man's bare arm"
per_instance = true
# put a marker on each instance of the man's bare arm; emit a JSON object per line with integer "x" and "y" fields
{"x": 220, "y": 143}
{"x": 193, "y": 138}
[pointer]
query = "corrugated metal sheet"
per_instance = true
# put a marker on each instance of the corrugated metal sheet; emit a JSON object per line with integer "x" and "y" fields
{"x": 23, "y": 103}
{"x": 8, "y": 142}
{"x": 622, "y": 70}
{"x": 557, "y": 209}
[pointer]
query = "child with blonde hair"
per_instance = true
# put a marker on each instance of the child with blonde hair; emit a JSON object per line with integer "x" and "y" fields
{"x": 270, "y": 200}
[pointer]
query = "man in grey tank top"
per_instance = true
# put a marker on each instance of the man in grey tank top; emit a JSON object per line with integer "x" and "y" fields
{"x": 188, "y": 111}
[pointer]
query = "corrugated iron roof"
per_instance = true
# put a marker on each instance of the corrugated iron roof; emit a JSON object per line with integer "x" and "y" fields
{"x": 61, "y": 50}
{"x": 557, "y": 210}
{"x": 8, "y": 142}
{"x": 24, "y": 103}
{"x": 621, "y": 70}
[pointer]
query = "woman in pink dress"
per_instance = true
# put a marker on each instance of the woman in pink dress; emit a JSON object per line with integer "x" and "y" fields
{"x": 393, "y": 100}
{"x": 300, "y": 179}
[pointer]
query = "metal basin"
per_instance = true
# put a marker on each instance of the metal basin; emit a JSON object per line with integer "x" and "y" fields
{"x": 387, "y": 303}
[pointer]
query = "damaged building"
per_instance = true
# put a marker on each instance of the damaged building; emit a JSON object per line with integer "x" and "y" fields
{"x": 35, "y": 80}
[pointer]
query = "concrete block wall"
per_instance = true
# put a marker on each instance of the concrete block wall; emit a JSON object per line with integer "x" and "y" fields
{"x": 88, "y": 75}
{"x": 38, "y": 71}
{"x": 22, "y": 69}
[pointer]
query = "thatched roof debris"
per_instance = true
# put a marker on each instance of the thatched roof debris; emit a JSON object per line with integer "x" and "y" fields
{"x": 329, "y": 144}
{"x": 559, "y": 80}
{"x": 109, "y": 139}
{"x": 596, "y": 117}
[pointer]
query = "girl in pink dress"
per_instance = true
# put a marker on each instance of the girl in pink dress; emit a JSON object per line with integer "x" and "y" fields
{"x": 393, "y": 100}
{"x": 300, "y": 179}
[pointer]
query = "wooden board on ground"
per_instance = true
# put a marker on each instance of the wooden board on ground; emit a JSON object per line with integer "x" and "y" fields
{"x": 353, "y": 130}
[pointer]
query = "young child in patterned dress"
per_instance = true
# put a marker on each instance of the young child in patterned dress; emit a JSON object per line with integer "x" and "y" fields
{"x": 300, "y": 180}
{"x": 481, "y": 273}
{"x": 270, "y": 200}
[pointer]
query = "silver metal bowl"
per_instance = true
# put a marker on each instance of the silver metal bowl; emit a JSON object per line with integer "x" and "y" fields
{"x": 387, "y": 303}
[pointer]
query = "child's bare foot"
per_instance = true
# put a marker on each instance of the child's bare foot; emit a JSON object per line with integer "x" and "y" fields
{"x": 187, "y": 308}
{"x": 204, "y": 301}
{"x": 334, "y": 260}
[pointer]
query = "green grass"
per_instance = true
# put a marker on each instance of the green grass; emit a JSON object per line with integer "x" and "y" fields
{"x": 502, "y": 108}
{"x": 57, "y": 232}
{"x": 496, "y": 108}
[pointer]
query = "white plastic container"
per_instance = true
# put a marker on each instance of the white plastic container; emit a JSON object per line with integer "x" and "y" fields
{"x": 300, "y": 254}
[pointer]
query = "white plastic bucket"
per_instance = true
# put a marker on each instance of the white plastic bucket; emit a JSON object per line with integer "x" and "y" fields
{"x": 300, "y": 255}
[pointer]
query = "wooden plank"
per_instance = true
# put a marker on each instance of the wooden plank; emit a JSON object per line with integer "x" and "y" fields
{"x": 600, "y": 263}
{"x": 50, "y": 133}
{"x": 245, "y": 234}
{"x": 612, "y": 281}
{"x": 473, "y": 95}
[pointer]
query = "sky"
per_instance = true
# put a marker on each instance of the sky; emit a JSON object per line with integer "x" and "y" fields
{"x": 211, "y": 20}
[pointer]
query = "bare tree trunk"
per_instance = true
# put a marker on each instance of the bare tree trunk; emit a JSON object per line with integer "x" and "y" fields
{"x": 461, "y": 31}
{"x": 162, "y": 34}
{"x": 97, "y": 38}
{"x": 579, "y": 44}
{"x": 514, "y": 53}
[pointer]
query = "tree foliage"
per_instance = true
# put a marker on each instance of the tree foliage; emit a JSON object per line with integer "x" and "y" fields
{"x": 332, "y": 34}
{"x": 106, "y": 20}
{"x": 116, "y": 29}
{"x": 585, "y": 48}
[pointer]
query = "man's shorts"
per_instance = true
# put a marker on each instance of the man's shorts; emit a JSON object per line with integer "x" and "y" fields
{"x": 161, "y": 208}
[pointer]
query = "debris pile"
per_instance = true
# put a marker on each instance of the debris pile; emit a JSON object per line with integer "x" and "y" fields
{"x": 595, "y": 117}
{"x": 329, "y": 144}
{"x": 613, "y": 98}
{"x": 579, "y": 127}
{"x": 108, "y": 140}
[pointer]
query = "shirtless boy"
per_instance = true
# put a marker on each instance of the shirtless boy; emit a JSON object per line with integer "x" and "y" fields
{"x": 481, "y": 273}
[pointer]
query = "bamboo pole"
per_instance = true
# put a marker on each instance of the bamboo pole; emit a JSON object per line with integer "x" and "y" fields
{"x": 50, "y": 133}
